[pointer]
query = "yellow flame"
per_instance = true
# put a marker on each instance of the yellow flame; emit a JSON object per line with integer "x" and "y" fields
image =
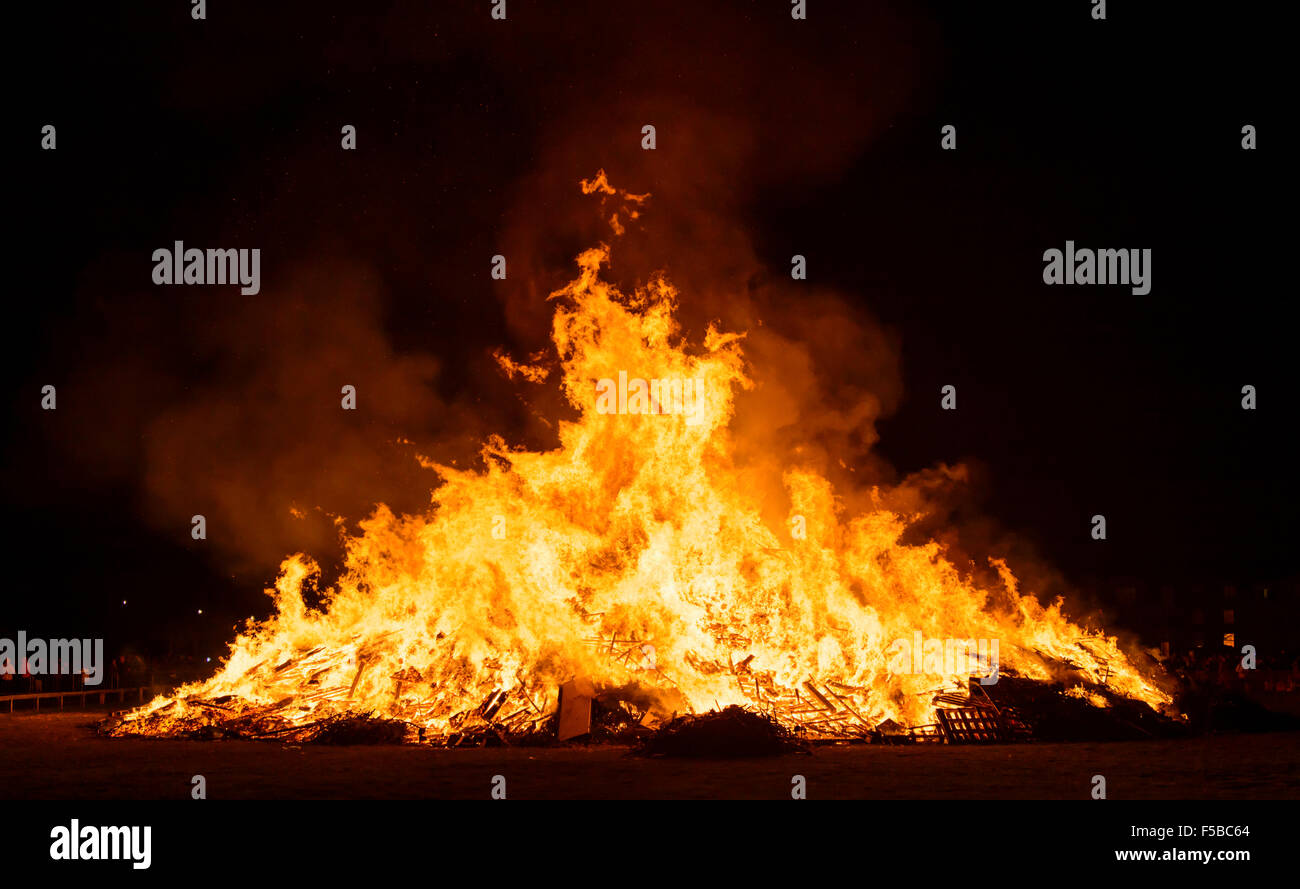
{"x": 633, "y": 552}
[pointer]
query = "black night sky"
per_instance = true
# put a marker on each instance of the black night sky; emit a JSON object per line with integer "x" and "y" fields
{"x": 776, "y": 137}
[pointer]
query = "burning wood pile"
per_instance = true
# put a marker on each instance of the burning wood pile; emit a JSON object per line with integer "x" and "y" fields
{"x": 652, "y": 556}
{"x": 1012, "y": 709}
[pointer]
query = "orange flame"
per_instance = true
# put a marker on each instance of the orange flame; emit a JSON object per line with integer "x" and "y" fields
{"x": 634, "y": 552}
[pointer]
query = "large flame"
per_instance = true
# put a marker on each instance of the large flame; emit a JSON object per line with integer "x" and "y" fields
{"x": 632, "y": 555}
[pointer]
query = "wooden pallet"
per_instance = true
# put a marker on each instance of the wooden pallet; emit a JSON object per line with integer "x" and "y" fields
{"x": 972, "y": 725}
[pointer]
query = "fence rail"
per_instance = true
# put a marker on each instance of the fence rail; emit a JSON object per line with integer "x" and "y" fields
{"x": 102, "y": 694}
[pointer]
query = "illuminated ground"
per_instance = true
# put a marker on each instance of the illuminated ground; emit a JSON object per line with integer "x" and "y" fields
{"x": 57, "y": 755}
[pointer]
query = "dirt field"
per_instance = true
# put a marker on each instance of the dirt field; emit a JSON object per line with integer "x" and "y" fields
{"x": 57, "y": 755}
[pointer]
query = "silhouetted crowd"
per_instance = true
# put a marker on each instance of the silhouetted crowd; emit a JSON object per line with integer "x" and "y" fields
{"x": 124, "y": 671}
{"x": 1203, "y": 668}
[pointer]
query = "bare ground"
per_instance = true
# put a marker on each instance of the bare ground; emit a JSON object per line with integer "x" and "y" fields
{"x": 58, "y": 756}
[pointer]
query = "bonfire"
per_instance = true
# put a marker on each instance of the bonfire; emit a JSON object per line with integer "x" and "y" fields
{"x": 636, "y": 558}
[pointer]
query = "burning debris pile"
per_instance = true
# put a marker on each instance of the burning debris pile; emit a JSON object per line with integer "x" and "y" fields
{"x": 640, "y": 555}
{"x": 1013, "y": 709}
